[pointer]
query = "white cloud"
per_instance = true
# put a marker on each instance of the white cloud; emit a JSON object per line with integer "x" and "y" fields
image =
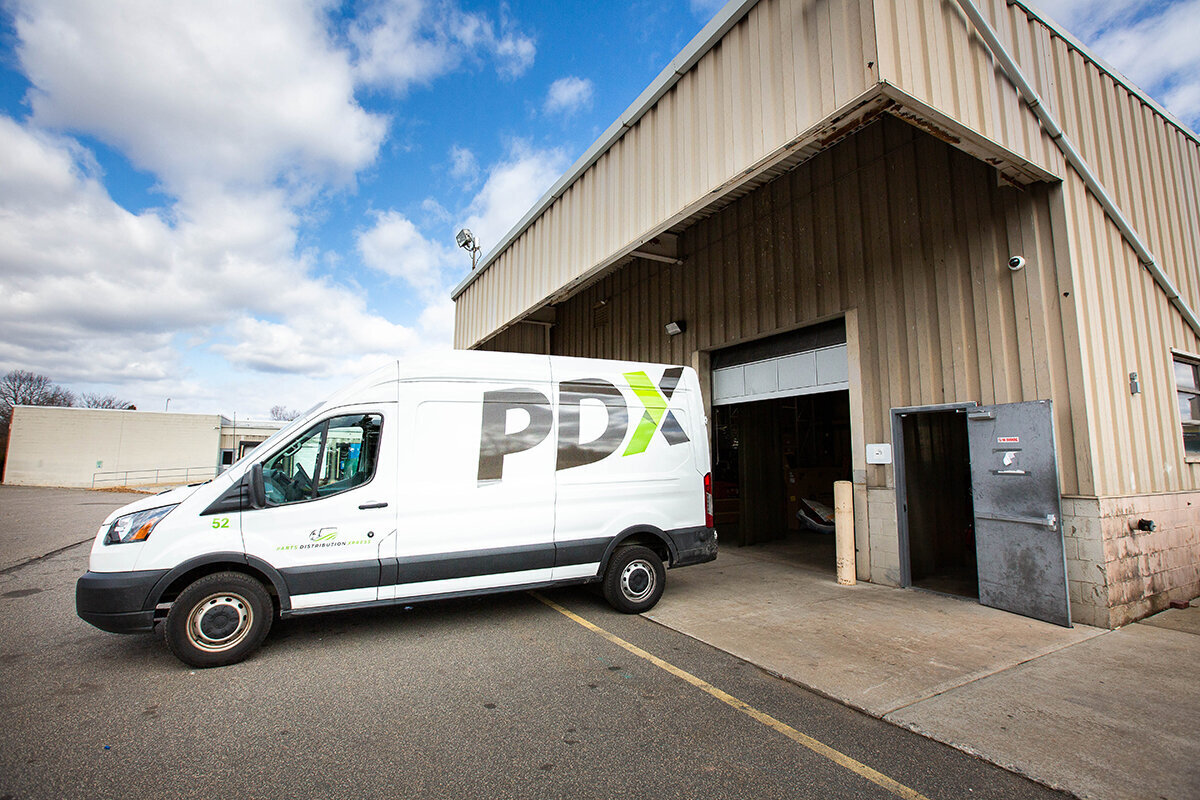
{"x": 206, "y": 93}
{"x": 1153, "y": 44}
{"x": 405, "y": 42}
{"x": 1087, "y": 18}
{"x": 568, "y": 95}
{"x": 463, "y": 165}
{"x": 437, "y": 321}
{"x": 395, "y": 246}
{"x": 512, "y": 187}
{"x": 245, "y": 114}
{"x": 275, "y": 347}
{"x": 706, "y": 8}
{"x": 94, "y": 295}
{"x": 435, "y": 213}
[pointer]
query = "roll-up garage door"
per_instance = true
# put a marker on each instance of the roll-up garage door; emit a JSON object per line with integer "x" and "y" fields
{"x": 808, "y": 361}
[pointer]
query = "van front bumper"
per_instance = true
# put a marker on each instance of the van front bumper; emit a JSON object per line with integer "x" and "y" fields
{"x": 116, "y": 601}
{"x": 693, "y": 545}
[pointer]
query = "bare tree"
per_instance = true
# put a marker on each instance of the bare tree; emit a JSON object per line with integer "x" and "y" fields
{"x": 88, "y": 400}
{"x": 283, "y": 413}
{"x": 23, "y": 388}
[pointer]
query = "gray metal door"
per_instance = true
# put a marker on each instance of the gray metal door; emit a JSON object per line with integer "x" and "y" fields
{"x": 1018, "y": 535}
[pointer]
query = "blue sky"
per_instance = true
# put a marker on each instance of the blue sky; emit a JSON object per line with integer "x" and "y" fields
{"x": 238, "y": 205}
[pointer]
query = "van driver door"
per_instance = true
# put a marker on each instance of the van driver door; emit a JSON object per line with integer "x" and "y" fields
{"x": 328, "y": 507}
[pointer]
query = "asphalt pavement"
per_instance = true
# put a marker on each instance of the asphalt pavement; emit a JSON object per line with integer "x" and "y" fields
{"x": 38, "y": 520}
{"x": 504, "y": 696}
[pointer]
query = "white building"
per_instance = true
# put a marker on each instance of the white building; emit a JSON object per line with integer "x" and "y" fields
{"x": 94, "y": 447}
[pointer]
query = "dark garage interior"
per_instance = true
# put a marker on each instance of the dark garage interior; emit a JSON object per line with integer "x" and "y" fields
{"x": 941, "y": 520}
{"x": 774, "y": 465}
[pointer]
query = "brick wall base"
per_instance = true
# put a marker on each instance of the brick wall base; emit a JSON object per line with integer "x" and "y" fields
{"x": 1124, "y": 573}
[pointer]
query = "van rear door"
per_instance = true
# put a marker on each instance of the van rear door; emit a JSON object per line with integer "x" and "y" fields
{"x": 627, "y": 456}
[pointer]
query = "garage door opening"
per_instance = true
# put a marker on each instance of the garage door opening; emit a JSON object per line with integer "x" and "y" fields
{"x": 781, "y": 437}
{"x": 938, "y": 502}
{"x": 775, "y": 462}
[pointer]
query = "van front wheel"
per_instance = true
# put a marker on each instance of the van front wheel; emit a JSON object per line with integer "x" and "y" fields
{"x": 634, "y": 580}
{"x": 219, "y": 620}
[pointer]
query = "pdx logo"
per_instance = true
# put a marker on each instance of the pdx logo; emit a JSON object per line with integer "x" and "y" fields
{"x": 495, "y": 443}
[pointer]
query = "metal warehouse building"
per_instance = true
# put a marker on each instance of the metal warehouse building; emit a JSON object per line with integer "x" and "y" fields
{"x": 900, "y": 239}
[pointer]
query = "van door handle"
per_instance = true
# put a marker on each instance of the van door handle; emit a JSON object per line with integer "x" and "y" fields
{"x": 365, "y": 506}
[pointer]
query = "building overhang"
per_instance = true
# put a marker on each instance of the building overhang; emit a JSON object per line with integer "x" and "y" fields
{"x": 661, "y": 243}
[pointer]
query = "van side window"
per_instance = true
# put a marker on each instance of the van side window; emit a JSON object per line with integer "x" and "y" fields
{"x": 330, "y": 457}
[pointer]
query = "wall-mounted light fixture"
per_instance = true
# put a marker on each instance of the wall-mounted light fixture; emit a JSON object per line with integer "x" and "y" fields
{"x": 1135, "y": 386}
{"x": 675, "y": 328}
{"x": 467, "y": 241}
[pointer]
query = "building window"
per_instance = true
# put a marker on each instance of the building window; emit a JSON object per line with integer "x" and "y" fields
{"x": 1187, "y": 386}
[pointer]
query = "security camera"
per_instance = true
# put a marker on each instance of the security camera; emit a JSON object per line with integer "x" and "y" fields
{"x": 1016, "y": 263}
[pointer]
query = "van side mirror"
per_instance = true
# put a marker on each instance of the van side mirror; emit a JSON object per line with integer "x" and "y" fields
{"x": 258, "y": 491}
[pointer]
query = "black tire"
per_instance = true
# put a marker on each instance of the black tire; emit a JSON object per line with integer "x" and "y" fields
{"x": 219, "y": 620}
{"x": 634, "y": 580}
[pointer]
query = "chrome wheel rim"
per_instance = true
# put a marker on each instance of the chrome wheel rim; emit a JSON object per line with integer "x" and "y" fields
{"x": 638, "y": 580}
{"x": 219, "y": 622}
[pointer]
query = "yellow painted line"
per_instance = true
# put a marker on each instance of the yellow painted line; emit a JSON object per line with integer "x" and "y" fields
{"x": 821, "y": 749}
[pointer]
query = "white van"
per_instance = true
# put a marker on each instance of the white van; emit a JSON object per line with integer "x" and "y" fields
{"x": 469, "y": 474}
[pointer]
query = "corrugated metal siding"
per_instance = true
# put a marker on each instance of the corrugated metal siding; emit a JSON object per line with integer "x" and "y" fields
{"x": 520, "y": 338}
{"x": 913, "y": 234}
{"x": 780, "y": 71}
{"x": 928, "y": 50}
{"x": 1148, "y": 165}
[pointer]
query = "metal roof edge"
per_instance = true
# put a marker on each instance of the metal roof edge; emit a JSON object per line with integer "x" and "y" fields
{"x": 1087, "y": 53}
{"x": 697, "y": 48}
{"x": 862, "y": 103}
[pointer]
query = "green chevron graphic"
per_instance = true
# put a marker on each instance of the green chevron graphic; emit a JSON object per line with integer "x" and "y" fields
{"x": 655, "y": 404}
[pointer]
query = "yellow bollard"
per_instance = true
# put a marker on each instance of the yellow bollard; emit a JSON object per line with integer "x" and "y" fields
{"x": 843, "y": 519}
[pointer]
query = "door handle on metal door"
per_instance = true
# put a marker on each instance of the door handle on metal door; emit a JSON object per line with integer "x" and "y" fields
{"x": 365, "y": 506}
{"x": 1050, "y": 521}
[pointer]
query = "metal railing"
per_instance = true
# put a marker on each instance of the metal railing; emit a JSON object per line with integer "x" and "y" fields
{"x": 152, "y": 477}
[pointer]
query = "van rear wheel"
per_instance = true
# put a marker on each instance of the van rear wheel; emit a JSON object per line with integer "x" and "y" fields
{"x": 634, "y": 580}
{"x": 219, "y": 620}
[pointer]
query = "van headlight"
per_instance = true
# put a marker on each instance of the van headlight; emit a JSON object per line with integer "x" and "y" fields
{"x": 135, "y": 527}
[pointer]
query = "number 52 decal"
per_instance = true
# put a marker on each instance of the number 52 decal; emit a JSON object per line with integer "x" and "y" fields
{"x": 220, "y": 522}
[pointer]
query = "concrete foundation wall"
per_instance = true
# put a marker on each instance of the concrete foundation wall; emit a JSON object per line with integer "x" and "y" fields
{"x": 1118, "y": 574}
{"x": 1087, "y": 586}
{"x": 885, "y": 536}
{"x": 1148, "y": 569}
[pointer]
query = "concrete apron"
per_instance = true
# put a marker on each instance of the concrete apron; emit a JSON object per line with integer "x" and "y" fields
{"x": 1105, "y": 714}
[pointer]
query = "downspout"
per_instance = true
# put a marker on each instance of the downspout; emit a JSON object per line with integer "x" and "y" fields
{"x": 1073, "y": 157}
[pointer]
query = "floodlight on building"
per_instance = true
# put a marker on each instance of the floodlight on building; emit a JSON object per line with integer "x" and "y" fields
{"x": 466, "y": 240}
{"x": 675, "y": 328}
